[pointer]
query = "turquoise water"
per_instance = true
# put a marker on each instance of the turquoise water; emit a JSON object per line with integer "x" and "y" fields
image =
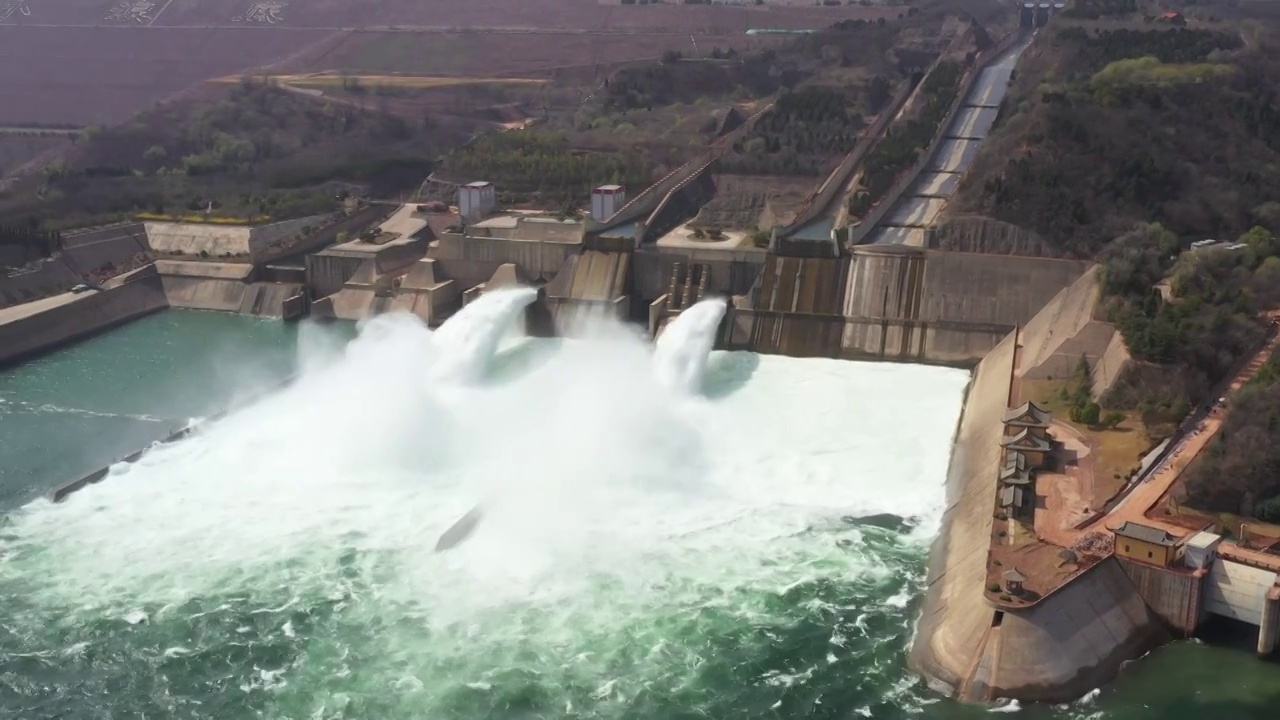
{"x": 290, "y": 596}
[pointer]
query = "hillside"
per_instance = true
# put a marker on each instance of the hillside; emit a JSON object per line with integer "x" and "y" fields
{"x": 1240, "y": 472}
{"x": 19, "y": 148}
{"x": 827, "y": 83}
{"x": 1136, "y": 122}
{"x": 540, "y": 167}
{"x": 248, "y": 150}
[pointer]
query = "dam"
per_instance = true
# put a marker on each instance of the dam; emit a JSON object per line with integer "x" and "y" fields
{"x": 771, "y": 502}
{"x": 654, "y": 564}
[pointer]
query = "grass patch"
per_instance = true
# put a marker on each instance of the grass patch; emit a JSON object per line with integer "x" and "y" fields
{"x": 1115, "y": 451}
{"x": 1150, "y": 71}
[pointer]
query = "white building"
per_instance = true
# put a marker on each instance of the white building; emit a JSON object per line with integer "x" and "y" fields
{"x": 606, "y": 200}
{"x": 475, "y": 199}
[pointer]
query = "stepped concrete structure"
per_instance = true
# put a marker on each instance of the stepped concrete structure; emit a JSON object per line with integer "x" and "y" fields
{"x": 250, "y": 242}
{"x": 895, "y": 303}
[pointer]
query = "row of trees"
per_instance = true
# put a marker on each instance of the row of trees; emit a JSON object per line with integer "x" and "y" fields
{"x": 1208, "y": 325}
{"x": 544, "y": 164}
{"x": 805, "y": 132}
{"x": 902, "y": 146}
{"x": 1240, "y": 471}
{"x": 1095, "y": 50}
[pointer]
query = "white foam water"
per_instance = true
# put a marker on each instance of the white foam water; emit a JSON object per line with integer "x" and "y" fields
{"x": 681, "y": 351}
{"x": 284, "y": 556}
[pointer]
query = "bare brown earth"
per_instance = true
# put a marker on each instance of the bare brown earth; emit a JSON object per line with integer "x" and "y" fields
{"x": 80, "y": 62}
{"x": 479, "y": 53}
{"x": 83, "y": 76}
{"x": 437, "y": 14}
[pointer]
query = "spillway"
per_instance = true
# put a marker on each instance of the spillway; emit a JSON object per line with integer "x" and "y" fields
{"x": 666, "y": 533}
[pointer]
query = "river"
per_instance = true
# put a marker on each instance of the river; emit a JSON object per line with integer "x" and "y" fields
{"x": 754, "y": 553}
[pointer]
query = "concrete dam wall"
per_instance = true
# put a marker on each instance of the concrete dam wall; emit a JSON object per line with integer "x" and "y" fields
{"x": 1058, "y": 649}
{"x": 896, "y": 302}
{"x": 956, "y": 618}
{"x": 55, "y": 321}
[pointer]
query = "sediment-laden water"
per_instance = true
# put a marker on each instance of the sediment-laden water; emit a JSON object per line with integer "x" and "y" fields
{"x": 657, "y": 539}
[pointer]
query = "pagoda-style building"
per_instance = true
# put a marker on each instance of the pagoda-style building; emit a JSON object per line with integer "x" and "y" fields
{"x": 1015, "y": 482}
{"x": 1033, "y": 447}
{"x": 1026, "y": 444}
{"x": 1029, "y": 417}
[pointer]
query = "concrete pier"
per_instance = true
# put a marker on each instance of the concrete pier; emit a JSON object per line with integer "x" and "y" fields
{"x": 1269, "y": 630}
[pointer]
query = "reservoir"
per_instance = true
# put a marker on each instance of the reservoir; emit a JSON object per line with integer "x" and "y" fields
{"x": 752, "y": 549}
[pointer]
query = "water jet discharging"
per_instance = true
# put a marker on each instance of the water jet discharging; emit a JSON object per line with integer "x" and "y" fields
{"x": 644, "y": 550}
{"x": 680, "y": 364}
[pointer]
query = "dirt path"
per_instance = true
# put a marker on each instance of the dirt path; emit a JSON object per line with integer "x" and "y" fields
{"x": 418, "y": 82}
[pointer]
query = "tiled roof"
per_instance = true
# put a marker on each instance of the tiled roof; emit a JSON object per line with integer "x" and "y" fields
{"x": 1146, "y": 533}
{"x": 1025, "y": 441}
{"x": 1028, "y": 414}
{"x": 1011, "y": 497}
{"x": 1016, "y": 460}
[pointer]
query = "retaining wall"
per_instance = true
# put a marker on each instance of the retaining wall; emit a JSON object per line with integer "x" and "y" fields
{"x": 134, "y": 295}
{"x": 222, "y": 240}
{"x": 1071, "y": 641}
{"x": 1174, "y": 595}
{"x": 82, "y": 254}
{"x": 538, "y": 260}
{"x": 899, "y": 303}
{"x": 977, "y": 234}
{"x": 1075, "y": 640}
{"x": 973, "y": 287}
{"x": 51, "y": 277}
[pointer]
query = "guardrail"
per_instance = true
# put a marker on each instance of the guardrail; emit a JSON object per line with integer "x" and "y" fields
{"x": 981, "y": 62}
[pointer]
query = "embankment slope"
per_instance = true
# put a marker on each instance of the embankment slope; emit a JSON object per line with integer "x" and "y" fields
{"x": 1075, "y": 640}
{"x": 956, "y": 617}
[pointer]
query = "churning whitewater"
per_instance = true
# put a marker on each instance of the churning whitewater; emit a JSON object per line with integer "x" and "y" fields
{"x": 666, "y": 533}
